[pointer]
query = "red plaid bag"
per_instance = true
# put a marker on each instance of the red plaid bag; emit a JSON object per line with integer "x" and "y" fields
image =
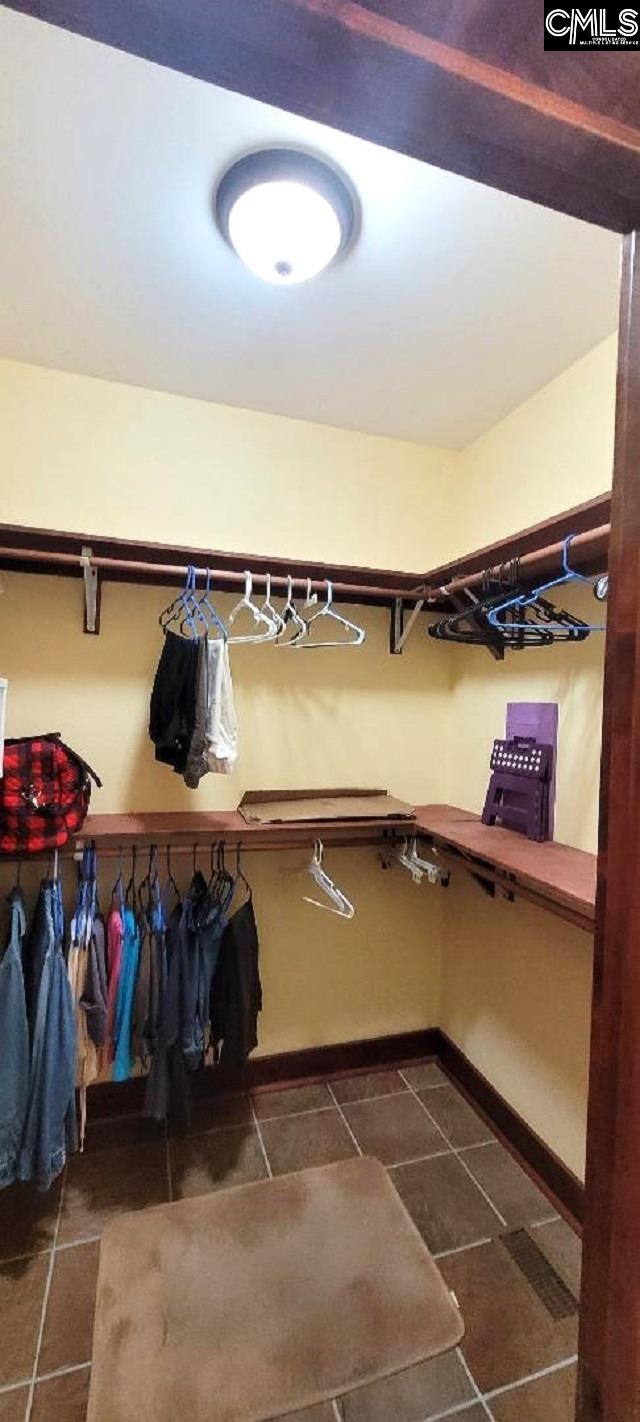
{"x": 44, "y": 794}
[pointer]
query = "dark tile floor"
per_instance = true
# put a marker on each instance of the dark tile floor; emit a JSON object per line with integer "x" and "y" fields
{"x": 463, "y": 1190}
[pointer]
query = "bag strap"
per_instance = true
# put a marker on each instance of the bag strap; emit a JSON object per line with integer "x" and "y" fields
{"x": 56, "y": 736}
{"x": 81, "y": 761}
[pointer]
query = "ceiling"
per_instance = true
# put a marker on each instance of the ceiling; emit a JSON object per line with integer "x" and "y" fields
{"x": 456, "y": 303}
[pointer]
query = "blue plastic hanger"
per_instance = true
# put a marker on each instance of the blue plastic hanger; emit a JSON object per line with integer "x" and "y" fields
{"x": 568, "y": 575}
{"x": 205, "y": 602}
{"x": 184, "y": 605}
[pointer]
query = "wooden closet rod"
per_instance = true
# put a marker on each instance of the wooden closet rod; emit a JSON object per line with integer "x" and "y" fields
{"x": 203, "y": 847}
{"x": 220, "y": 577}
{"x": 588, "y": 552}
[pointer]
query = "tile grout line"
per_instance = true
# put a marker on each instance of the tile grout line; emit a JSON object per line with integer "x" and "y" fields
{"x": 45, "y": 1303}
{"x": 462, "y": 1248}
{"x": 358, "y": 1100}
{"x": 76, "y": 1243}
{"x": 262, "y": 1145}
{"x": 479, "y": 1187}
{"x": 479, "y": 1398}
{"x": 477, "y": 1145}
{"x": 62, "y": 1372}
{"x": 417, "y": 1159}
{"x": 284, "y": 1116}
{"x": 344, "y": 1119}
{"x": 20, "y": 1258}
{"x": 14, "y": 1386}
{"x": 458, "y": 1154}
{"x": 460, "y": 1410}
{"x": 531, "y": 1377}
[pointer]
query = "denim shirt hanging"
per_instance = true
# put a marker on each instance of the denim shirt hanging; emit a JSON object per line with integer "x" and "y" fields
{"x": 14, "y": 1045}
{"x": 50, "y": 1121}
{"x": 201, "y": 928}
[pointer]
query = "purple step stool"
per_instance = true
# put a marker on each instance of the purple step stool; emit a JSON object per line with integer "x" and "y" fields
{"x": 539, "y": 719}
{"x": 518, "y": 794}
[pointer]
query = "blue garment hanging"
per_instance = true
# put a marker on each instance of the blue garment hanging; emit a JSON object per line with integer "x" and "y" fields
{"x": 14, "y": 1045}
{"x": 50, "y": 1125}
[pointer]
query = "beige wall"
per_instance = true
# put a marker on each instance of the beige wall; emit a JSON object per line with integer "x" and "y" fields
{"x": 513, "y": 984}
{"x": 552, "y": 452}
{"x": 89, "y": 455}
{"x": 100, "y": 457}
{"x": 516, "y": 982}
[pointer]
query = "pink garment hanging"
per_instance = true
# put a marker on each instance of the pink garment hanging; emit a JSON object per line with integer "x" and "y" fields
{"x": 115, "y": 935}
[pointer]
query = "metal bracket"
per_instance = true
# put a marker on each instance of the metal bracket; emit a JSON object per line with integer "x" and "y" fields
{"x": 398, "y": 630}
{"x": 466, "y": 599}
{"x": 92, "y": 593}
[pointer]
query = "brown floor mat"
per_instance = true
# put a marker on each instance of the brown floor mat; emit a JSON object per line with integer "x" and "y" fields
{"x": 246, "y": 1304}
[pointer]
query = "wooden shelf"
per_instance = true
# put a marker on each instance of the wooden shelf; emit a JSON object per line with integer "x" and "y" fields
{"x": 189, "y": 828}
{"x": 553, "y": 876}
{"x": 580, "y": 519}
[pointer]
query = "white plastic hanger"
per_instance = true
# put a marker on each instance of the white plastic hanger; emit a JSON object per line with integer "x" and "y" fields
{"x": 260, "y": 618}
{"x": 419, "y": 868}
{"x": 269, "y": 610}
{"x": 338, "y": 902}
{"x": 290, "y": 616}
{"x": 403, "y": 857}
{"x": 328, "y": 610}
{"x": 431, "y": 871}
{"x": 312, "y": 597}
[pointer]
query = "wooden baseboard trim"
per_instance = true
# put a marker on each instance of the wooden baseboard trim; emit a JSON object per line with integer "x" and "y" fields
{"x": 564, "y": 1190}
{"x": 108, "y": 1098}
{"x": 562, "y": 1187}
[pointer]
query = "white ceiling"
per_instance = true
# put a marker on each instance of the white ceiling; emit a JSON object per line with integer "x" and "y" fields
{"x": 456, "y": 303}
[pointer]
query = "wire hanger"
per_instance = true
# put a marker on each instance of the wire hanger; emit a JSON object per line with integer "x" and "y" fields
{"x": 328, "y": 610}
{"x": 221, "y": 883}
{"x": 338, "y": 904}
{"x": 117, "y": 891}
{"x": 150, "y": 881}
{"x": 171, "y": 883}
{"x": 290, "y": 616}
{"x": 260, "y": 618}
{"x": 239, "y": 873}
{"x": 130, "y": 890}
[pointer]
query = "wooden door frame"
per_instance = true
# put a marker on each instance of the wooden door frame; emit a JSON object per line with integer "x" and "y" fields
{"x": 609, "y": 1351}
{"x": 569, "y": 138}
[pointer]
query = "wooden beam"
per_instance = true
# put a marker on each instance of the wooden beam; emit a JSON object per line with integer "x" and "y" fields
{"x": 609, "y": 1372}
{"x": 396, "y": 79}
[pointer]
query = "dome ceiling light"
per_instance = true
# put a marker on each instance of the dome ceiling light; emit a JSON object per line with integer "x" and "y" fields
{"x": 286, "y": 214}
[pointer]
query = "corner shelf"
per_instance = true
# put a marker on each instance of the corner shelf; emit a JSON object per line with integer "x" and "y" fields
{"x": 183, "y": 830}
{"x": 553, "y": 876}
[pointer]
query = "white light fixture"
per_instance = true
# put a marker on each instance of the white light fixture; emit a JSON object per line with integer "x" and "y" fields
{"x": 286, "y": 215}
